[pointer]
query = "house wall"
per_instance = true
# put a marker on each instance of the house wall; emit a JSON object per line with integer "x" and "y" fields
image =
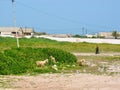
{"x": 6, "y": 33}
{"x": 11, "y": 31}
{"x": 106, "y": 34}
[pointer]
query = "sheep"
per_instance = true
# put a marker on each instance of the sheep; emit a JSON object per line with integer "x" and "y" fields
{"x": 41, "y": 63}
{"x": 52, "y": 59}
{"x": 81, "y": 62}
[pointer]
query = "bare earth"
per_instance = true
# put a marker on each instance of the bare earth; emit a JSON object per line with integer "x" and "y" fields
{"x": 74, "y": 81}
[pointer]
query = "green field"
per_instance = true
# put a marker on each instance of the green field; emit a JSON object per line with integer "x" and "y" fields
{"x": 22, "y": 60}
{"x": 6, "y": 43}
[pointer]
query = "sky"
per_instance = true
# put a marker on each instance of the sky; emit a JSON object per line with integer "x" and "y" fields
{"x": 62, "y": 16}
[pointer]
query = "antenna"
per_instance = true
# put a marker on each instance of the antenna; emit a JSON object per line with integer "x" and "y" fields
{"x": 83, "y": 29}
{"x": 15, "y": 23}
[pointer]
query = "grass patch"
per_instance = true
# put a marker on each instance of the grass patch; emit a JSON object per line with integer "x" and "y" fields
{"x": 23, "y": 60}
{"x": 7, "y": 43}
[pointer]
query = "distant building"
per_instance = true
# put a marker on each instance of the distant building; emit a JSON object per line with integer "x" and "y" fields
{"x": 106, "y": 34}
{"x": 19, "y": 31}
{"x": 91, "y": 35}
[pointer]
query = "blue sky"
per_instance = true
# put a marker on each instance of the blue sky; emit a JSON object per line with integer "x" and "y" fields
{"x": 62, "y": 16}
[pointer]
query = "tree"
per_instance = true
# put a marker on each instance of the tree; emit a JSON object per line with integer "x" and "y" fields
{"x": 115, "y": 34}
{"x": 77, "y": 35}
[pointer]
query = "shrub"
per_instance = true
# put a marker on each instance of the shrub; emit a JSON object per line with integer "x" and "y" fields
{"x": 60, "y": 55}
{"x": 22, "y": 60}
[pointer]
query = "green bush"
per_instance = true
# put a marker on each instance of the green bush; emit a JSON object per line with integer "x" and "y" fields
{"x": 22, "y": 60}
{"x": 60, "y": 55}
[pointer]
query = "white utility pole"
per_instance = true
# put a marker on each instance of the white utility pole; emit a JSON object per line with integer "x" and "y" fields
{"x": 15, "y": 24}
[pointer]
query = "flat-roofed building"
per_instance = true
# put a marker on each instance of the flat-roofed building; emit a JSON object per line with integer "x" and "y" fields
{"x": 13, "y": 31}
{"x": 106, "y": 34}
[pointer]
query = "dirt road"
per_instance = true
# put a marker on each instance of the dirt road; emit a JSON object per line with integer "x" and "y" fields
{"x": 72, "y": 81}
{"x": 93, "y": 54}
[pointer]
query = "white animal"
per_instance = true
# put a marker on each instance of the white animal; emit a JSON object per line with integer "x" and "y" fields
{"x": 52, "y": 59}
{"x": 41, "y": 63}
{"x": 81, "y": 62}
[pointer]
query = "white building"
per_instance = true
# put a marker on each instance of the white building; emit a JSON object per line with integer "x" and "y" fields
{"x": 91, "y": 35}
{"x": 106, "y": 34}
{"x": 13, "y": 31}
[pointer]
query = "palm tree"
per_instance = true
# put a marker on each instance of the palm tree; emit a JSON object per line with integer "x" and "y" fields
{"x": 115, "y": 34}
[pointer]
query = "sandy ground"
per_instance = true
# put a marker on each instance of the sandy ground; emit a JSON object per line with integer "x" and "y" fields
{"x": 72, "y": 81}
{"x": 93, "y": 54}
{"x": 90, "y": 40}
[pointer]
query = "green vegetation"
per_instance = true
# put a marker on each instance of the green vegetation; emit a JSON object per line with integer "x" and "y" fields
{"x": 23, "y": 60}
{"x": 115, "y": 34}
{"x": 79, "y": 36}
{"x": 7, "y": 43}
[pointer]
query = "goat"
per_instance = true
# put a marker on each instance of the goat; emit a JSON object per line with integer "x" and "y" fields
{"x": 81, "y": 62}
{"x": 52, "y": 59}
{"x": 41, "y": 63}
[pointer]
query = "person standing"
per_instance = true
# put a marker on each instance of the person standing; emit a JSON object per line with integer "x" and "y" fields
{"x": 97, "y": 50}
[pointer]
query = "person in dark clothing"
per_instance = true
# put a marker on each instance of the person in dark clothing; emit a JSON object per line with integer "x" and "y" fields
{"x": 97, "y": 50}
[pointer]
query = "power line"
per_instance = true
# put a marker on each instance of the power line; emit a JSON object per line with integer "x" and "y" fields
{"x": 63, "y": 18}
{"x": 48, "y": 14}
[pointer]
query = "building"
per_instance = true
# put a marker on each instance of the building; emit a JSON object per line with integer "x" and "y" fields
{"x": 16, "y": 31}
{"x": 91, "y": 35}
{"x": 106, "y": 34}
